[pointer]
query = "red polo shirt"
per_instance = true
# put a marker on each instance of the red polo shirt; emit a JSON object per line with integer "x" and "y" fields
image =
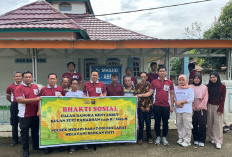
{"x": 48, "y": 91}
{"x": 11, "y": 91}
{"x": 114, "y": 90}
{"x": 152, "y": 77}
{"x": 133, "y": 79}
{"x": 74, "y": 75}
{"x": 161, "y": 91}
{"x": 94, "y": 89}
{"x": 24, "y": 91}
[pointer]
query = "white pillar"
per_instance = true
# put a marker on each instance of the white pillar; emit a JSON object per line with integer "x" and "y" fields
{"x": 34, "y": 65}
{"x": 167, "y": 62}
{"x": 229, "y": 65}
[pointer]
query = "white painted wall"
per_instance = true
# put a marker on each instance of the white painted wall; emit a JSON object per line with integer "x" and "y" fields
{"x": 54, "y": 64}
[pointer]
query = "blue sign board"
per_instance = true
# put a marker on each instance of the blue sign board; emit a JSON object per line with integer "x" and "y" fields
{"x": 105, "y": 73}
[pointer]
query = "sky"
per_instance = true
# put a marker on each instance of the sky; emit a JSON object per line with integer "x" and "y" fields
{"x": 167, "y": 23}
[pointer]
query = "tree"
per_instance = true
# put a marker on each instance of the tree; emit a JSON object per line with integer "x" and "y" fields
{"x": 194, "y": 31}
{"x": 221, "y": 29}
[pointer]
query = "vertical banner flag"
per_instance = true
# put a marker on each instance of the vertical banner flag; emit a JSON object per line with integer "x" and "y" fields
{"x": 78, "y": 121}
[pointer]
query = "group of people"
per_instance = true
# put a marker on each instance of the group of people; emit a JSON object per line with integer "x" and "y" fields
{"x": 195, "y": 105}
{"x": 198, "y": 108}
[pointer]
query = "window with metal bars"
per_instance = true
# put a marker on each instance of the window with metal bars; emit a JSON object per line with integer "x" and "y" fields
{"x": 136, "y": 66}
{"x": 88, "y": 62}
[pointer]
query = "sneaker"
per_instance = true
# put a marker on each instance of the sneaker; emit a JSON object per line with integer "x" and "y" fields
{"x": 157, "y": 141}
{"x": 201, "y": 144}
{"x": 184, "y": 144}
{"x": 212, "y": 141}
{"x": 218, "y": 145}
{"x": 179, "y": 141}
{"x": 196, "y": 143}
{"x": 165, "y": 141}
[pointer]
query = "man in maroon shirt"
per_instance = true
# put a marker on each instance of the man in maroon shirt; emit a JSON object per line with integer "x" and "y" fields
{"x": 128, "y": 74}
{"x": 65, "y": 83}
{"x": 114, "y": 89}
{"x": 27, "y": 97}
{"x": 161, "y": 88}
{"x": 94, "y": 88}
{"x": 152, "y": 75}
{"x": 73, "y": 74}
{"x": 10, "y": 96}
{"x": 51, "y": 90}
{"x": 192, "y": 72}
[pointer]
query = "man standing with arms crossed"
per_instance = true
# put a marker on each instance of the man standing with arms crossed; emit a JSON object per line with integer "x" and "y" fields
{"x": 144, "y": 105}
{"x": 27, "y": 97}
{"x": 10, "y": 96}
{"x": 161, "y": 87}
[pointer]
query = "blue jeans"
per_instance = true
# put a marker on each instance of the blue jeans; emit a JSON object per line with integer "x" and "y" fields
{"x": 144, "y": 116}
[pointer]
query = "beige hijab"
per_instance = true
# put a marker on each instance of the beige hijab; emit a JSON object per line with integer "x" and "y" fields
{"x": 185, "y": 86}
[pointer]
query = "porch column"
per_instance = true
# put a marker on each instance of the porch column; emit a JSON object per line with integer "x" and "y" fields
{"x": 229, "y": 65}
{"x": 34, "y": 65}
{"x": 186, "y": 62}
{"x": 167, "y": 62}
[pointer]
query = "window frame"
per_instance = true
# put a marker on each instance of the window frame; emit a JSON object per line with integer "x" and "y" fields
{"x": 113, "y": 60}
{"x": 136, "y": 73}
{"x": 66, "y": 5}
{"x": 88, "y": 60}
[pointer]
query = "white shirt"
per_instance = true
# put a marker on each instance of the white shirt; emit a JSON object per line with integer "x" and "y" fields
{"x": 78, "y": 93}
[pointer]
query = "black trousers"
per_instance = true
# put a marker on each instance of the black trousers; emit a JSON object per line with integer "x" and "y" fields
{"x": 199, "y": 125}
{"x": 144, "y": 116}
{"x": 161, "y": 113}
{"x": 14, "y": 120}
{"x": 25, "y": 124}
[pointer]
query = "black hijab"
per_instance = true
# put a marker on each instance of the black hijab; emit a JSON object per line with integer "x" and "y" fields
{"x": 214, "y": 88}
{"x": 195, "y": 75}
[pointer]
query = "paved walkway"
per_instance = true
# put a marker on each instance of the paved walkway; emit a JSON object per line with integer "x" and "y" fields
{"x": 131, "y": 150}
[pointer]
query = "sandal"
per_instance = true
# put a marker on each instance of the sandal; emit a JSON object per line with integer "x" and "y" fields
{"x": 140, "y": 141}
{"x": 150, "y": 141}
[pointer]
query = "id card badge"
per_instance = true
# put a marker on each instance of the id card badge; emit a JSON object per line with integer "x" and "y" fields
{"x": 75, "y": 76}
{"x": 36, "y": 91}
{"x": 57, "y": 94}
{"x": 98, "y": 90}
{"x": 166, "y": 88}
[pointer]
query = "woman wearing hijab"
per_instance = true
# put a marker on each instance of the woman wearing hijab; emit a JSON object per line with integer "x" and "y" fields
{"x": 184, "y": 97}
{"x": 217, "y": 95}
{"x": 199, "y": 110}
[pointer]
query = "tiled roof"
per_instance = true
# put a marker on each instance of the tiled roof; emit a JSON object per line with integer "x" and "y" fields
{"x": 37, "y": 11}
{"x": 43, "y": 12}
{"x": 101, "y": 30}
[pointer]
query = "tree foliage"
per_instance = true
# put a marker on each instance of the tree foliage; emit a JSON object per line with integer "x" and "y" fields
{"x": 221, "y": 29}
